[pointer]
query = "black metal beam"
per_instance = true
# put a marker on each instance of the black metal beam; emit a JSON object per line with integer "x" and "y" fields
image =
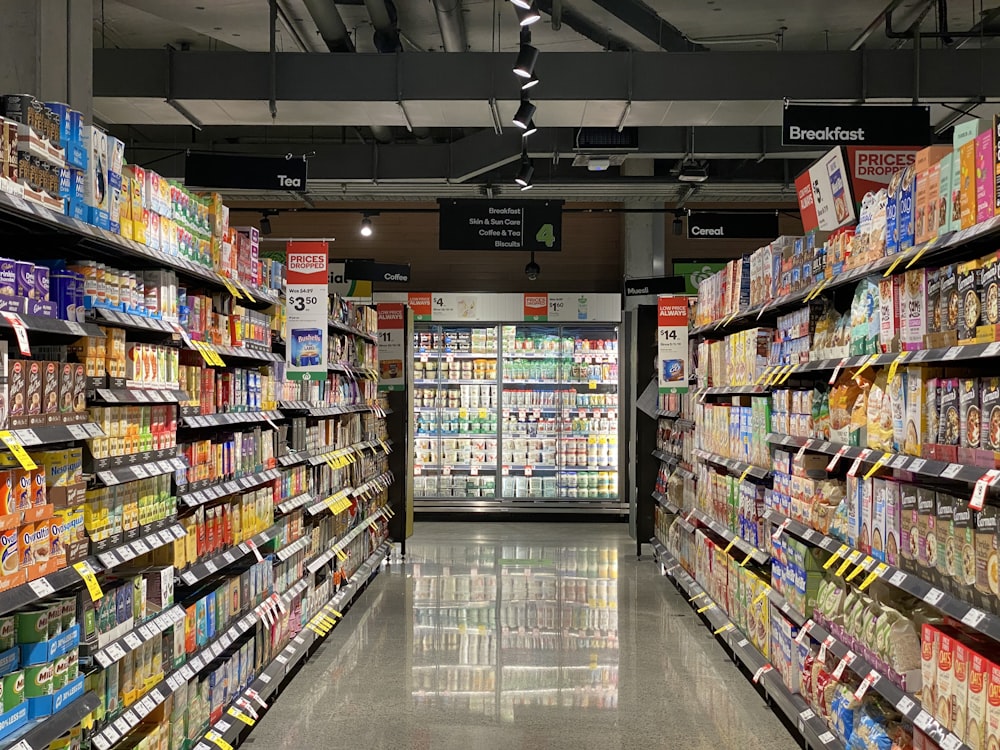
{"x": 945, "y": 75}
{"x": 583, "y": 26}
{"x": 647, "y": 22}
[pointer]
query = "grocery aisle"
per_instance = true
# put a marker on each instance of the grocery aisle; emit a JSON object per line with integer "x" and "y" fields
{"x": 399, "y": 672}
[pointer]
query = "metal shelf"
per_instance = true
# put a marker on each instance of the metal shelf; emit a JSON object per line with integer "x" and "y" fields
{"x": 231, "y": 418}
{"x": 198, "y": 494}
{"x": 742, "y": 546}
{"x": 736, "y": 468}
{"x": 140, "y": 395}
{"x": 43, "y": 731}
{"x": 811, "y": 727}
{"x": 134, "y": 472}
{"x": 207, "y": 568}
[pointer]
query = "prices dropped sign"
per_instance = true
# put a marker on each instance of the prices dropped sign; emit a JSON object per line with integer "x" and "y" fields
{"x": 307, "y": 309}
{"x": 672, "y": 344}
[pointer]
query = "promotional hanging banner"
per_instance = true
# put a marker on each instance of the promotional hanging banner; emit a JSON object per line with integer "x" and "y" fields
{"x": 536, "y": 307}
{"x": 824, "y": 194}
{"x": 307, "y": 309}
{"x": 672, "y": 344}
{"x": 391, "y": 346}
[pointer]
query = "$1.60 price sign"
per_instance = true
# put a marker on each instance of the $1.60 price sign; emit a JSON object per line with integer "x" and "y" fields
{"x": 307, "y": 309}
{"x": 672, "y": 344}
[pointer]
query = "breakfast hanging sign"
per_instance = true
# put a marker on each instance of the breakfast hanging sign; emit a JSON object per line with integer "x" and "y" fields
{"x": 672, "y": 344}
{"x": 307, "y": 311}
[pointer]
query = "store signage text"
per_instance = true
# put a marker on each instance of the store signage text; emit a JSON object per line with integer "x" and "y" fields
{"x": 500, "y": 225}
{"x": 864, "y": 125}
{"x": 245, "y": 172}
{"x": 732, "y": 226}
{"x": 371, "y": 271}
{"x": 654, "y": 285}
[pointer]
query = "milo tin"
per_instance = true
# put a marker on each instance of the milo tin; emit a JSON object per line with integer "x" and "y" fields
{"x": 55, "y": 619}
{"x": 60, "y": 668}
{"x": 68, "y": 612}
{"x": 73, "y": 664}
{"x": 8, "y": 632}
{"x": 33, "y": 625}
{"x": 38, "y": 680}
{"x": 13, "y": 690}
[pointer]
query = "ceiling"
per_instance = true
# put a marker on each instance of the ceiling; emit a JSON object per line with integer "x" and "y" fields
{"x": 159, "y": 127}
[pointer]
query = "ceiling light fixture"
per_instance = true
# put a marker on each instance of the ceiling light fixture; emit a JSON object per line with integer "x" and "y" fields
{"x": 530, "y": 83}
{"x": 678, "y": 225}
{"x": 530, "y": 130}
{"x": 265, "y": 220}
{"x": 525, "y": 4}
{"x": 527, "y": 56}
{"x": 526, "y": 171}
{"x": 524, "y": 114}
{"x": 693, "y": 171}
{"x": 527, "y": 16}
{"x": 367, "y": 230}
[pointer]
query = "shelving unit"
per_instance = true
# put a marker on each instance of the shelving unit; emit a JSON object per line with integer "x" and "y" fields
{"x": 220, "y": 499}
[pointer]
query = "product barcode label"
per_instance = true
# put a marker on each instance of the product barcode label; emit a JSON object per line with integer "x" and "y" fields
{"x": 952, "y": 471}
{"x": 917, "y": 464}
{"x": 973, "y": 617}
{"x": 933, "y": 596}
{"x": 897, "y": 578}
{"x": 951, "y": 742}
{"x": 904, "y": 705}
{"x": 41, "y": 587}
{"x": 116, "y": 652}
{"x": 132, "y": 640}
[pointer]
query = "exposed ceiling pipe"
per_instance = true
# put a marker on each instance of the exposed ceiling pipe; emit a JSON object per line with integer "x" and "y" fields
{"x": 945, "y": 35}
{"x": 387, "y": 39}
{"x": 384, "y": 20}
{"x": 874, "y": 25}
{"x": 557, "y": 10}
{"x": 452, "y": 25}
{"x": 331, "y": 26}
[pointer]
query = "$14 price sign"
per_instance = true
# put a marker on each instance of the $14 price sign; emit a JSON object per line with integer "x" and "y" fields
{"x": 672, "y": 344}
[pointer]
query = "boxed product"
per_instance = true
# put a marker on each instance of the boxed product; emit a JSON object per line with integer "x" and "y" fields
{"x": 928, "y": 171}
{"x": 964, "y": 173}
{"x": 985, "y": 176}
{"x": 914, "y": 309}
{"x": 968, "y": 276}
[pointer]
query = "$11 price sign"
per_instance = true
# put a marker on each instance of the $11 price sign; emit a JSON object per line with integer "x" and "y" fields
{"x": 307, "y": 309}
{"x": 672, "y": 344}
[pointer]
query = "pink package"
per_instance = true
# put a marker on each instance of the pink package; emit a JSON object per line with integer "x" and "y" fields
{"x": 985, "y": 178}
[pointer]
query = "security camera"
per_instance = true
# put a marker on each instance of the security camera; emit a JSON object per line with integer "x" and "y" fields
{"x": 532, "y": 269}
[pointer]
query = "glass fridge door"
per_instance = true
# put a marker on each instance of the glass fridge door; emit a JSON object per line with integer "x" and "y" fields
{"x": 455, "y": 404}
{"x": 560, "y": 412}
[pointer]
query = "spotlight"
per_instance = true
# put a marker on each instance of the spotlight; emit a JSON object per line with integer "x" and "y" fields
{"x": 525, "y": 4}
{"x": 526, "y": 172}
{"x": 366, "y": 227}
{"x": 530, "y": 83}
{"x": 527, "y": 16}
{"x": 530, "y": 130}
{"x": 532, "y": 270}
{"x": 678, "y": 225}
{"x": 265, "y": 226}
{"x": 527, "y": 187}
{"x": 524, "y": 66}
{"x": 524, "y": 114}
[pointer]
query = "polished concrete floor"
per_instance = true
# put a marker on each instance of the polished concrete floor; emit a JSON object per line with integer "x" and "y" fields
{"x": 516, "y": 636}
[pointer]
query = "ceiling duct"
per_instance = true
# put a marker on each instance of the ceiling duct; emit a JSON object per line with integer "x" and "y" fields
{"x": 452, "y": 25}
{"x": 331, "y": 26}
{"x": 606, "y": 140}
{"x": 385, "y": 21}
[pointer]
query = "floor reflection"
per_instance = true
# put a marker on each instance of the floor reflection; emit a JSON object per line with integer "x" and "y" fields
{"x": 503, "y": 630}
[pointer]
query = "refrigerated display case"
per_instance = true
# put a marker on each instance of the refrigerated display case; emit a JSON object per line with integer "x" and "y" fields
{"x": 522, "y": 416}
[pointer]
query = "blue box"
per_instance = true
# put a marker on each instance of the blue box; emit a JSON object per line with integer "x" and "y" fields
{"x": 76, "y": 155}
{"x": 39, "y": 653}
{"x": 904, "y": 209}
{"x": 100, "y": 218}
{"x": 13, "y": 720}
{"x": 10, "y": 660}
{"x": 46, "y": 705}
{"x": 201, "y": 623}
{"x": 211, "y": 621}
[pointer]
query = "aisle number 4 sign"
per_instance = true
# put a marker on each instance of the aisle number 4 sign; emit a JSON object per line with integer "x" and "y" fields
{"x": 672, "y": 344}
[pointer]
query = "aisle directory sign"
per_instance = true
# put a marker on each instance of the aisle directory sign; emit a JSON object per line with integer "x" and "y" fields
{"x": 672, "y": 344}
{"x": 307, "y": 309}
{"x": 480, "y": 224}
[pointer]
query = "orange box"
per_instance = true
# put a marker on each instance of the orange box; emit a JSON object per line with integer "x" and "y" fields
{"x": 21, "y": 487}
{"x": 8, "y": 502}
{"x": 926, "y": 191}
{"x": 10, "y": 563}
{"x": 992, "y": 706}
{"x": 25, "y": 545}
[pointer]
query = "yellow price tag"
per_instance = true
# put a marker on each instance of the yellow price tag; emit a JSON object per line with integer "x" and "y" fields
{"x": 214, "y": 355}
{"x": 87, "y": 722}
{"x": 696, "y": 597}
{"x": 592, "y": 385}
{"x": 900, "y": 257}
{"x": 730, "y": 545}
{"x": 857, "y": 571}
{"x": 919, "y": 255}
{"x": 759, "y": 598}
{"x": 706, "y": 608}
{"x": 206, "y": 353}
{"x": 746, "y": 559}
{"x": 231, "y": 288}
{"x": 868, "y": 363}
{"x": 341, "y": 555}
{"x": 90, "y": 579}
{"x": 878, "y": 465}
{"x": 385, "y": 448}
{"x": 835, "y": 556}
{"x": 246, "y": 291}
{"x": 746, "y": 473}
{"x": 725, "y": 628}
{"x": 762, "y": 376}
{"x": 328, "y": 622}
{"x": 217, "y": 739}
{"x": 895, "y": 365}
{"x": 880, "y": 569}
{"x": 14, "y": 446}
{"x": 337, "y": 613}
{"x": 233, "y": 711}
{"x": 843, "y": 567}
{"x": 787, "y": 375}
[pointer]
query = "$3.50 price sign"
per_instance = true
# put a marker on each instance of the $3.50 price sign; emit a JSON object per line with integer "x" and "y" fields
{"x": 307, "y": 310}
{"x": 672, "y": 344}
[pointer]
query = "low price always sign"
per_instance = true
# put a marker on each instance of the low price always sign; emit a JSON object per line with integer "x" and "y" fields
{"x": 307, "y": 310}
{"x": 672, "y": 344}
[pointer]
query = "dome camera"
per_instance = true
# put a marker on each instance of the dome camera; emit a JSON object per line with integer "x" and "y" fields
{"x": 532, "y": 269}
